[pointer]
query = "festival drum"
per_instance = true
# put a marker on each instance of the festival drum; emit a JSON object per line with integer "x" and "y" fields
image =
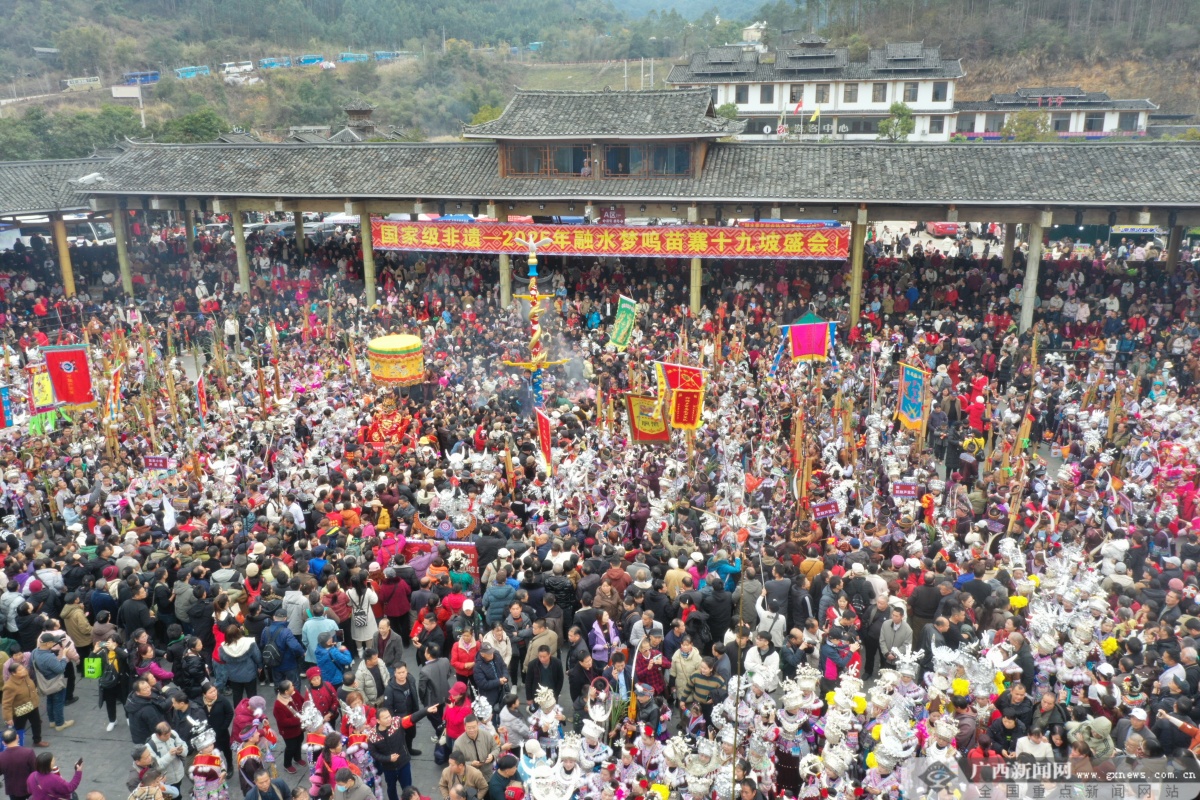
{"x": 396, "y": 359}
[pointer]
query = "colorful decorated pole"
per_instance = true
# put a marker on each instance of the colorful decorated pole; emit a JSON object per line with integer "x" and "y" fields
{"x": 537, "y": 362}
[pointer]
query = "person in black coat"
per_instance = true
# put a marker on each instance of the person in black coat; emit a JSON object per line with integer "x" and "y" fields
{"x": 144, "y": 709}
{"x": 192, "y": 670}
{"x": 490, "y": 678}
{"x": 218, "y": 712}
{"x": 388, "y": 745}
{"x": 545, "y": 670}
{"x": 98, "y": 600}
{"x": 718, "y": 605}
{"x": 134, "y": 613}
{"x": 659, "y": 602}
{"x": 401, "y": 699}
{"x": 29, "y": 627}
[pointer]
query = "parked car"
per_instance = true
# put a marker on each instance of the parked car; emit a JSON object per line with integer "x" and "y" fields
{"x": 946, "y": 230}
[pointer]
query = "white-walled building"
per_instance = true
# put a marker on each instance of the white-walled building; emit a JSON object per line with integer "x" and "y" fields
{"x": 853, "y": 97}
{"x": 1073, "y": 112}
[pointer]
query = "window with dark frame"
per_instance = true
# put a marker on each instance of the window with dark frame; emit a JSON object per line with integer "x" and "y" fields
{"x": 850, "y": 93}
{"x": 647, "y": 160}
{"x": 552, "y": 160}
{"x": 741, "y": 94}
{"x": 879, "y": 93}
{"x": 941, "y": 90}
{"x": 822, "y": 92}
{"x": 766, "y": 93}
{"x": 911, "y": 88}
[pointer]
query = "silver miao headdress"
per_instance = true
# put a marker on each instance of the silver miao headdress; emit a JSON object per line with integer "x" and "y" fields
{"x": 837, "y": 758}
{"x": 946, "y": 727}
{"x": 677, "y": 750}
{"x": 545, "y": 698}
{"x": 793, "y": 696}
{"x": 482, "y": 708}
{"x": 837, "y": 724}
{"x": 908, "y": 661}
{"x": 570, "y": 747}
{"x": 311, "y": 717}
{"x": 202, "y": 736}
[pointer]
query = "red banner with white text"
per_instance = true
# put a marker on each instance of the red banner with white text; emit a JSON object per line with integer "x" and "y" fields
{"x": 777, "y": 242}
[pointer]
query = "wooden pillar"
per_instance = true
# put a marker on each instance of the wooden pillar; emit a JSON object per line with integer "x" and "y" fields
{"x": 121, "y": 234}
{"x": 239, "y": 244}
{"x": 500, "y": 214}
{"x": 1032, "y": 266}
{"x": 189, "y": 230}
{"x": 696, "y": 286}
{"x": 364, "y": 227}
{"x": 298, "y": 224}
{"x": 59, "y": 229}
{"x": 1010, "y": 241}
{"x": 858, "y": 243}
{"x": 696, "y": 281}
{"x": 1174, "y": 243}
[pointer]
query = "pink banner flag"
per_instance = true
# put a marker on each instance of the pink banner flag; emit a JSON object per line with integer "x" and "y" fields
{"x": 809, "y": 342}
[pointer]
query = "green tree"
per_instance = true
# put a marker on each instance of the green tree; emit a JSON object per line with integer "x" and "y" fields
{"x": 1028, "y": 125}
{"x": 83, "y": 51}
{"x": 80, "y": 134}
{"x": 199, "y": 126}
{"x": 486, "y": 114}
{"x": 17, "y": 142}
{"x": 728, "y": 111}
{"x": 363, "y": 76}
{"x": 899, "y": 124}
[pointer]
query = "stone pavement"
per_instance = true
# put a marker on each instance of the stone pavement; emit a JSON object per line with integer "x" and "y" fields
{"x": 107, "y": 755}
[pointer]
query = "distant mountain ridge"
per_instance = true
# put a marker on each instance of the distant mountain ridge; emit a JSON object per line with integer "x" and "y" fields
{"x": 691, "y": 9}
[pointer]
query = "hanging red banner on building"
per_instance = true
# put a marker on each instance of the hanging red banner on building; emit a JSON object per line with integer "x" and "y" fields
{"x": 71, "y": 375}
{"x": 777, "y": 242}
{"x": 543, "y": 428}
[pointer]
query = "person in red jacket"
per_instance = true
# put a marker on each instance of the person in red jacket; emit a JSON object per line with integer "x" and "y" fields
{"x": 975, "y": 413}
{"x": 463, "y": 653}
{"x": 395, "y": 595}
{"x": 287, "y": 720}
{"x": 323, "y": 695}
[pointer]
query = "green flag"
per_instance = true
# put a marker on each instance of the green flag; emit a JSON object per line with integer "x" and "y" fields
{"x": 622, "y": 328}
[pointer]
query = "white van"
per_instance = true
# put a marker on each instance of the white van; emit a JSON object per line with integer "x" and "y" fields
{"x": 237, "y": 67}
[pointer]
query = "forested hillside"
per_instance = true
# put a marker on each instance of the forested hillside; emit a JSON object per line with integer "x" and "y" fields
{"x": 470, "y": 55}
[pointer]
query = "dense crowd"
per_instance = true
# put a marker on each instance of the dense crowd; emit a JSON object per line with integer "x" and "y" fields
{"x": 1016, "y": 585}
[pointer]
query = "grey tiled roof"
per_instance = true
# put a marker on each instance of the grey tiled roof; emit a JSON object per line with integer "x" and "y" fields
{"x": 38, "y": 187}
{"x": 358, "y": 104}
{"x": 564, "y": 114}
{"x": 237, "y": 138}
{"x": 347, "y": 135}
{"x": 1087, "y": 101}
{"x": 904, "y": 57}
{"x": 1051, "y": 91}
{"x": 307, "y": 137}
{"x": 796, "y": 64}
{"x": 1071, "y": 175}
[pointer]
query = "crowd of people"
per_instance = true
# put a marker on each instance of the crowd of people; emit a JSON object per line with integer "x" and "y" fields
{"x": 334, "y": 577}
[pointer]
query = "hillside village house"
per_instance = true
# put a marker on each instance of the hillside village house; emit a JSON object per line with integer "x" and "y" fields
{"x": 853, "y": 97}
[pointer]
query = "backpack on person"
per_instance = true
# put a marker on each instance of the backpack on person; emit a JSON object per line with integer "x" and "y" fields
{"x": 109, "y": 677}
{"x": 358, "y": 613}
{"x": 272, "y": 654}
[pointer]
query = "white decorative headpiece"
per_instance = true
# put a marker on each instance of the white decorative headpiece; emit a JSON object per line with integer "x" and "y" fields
{"x": 545, "y": 698}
